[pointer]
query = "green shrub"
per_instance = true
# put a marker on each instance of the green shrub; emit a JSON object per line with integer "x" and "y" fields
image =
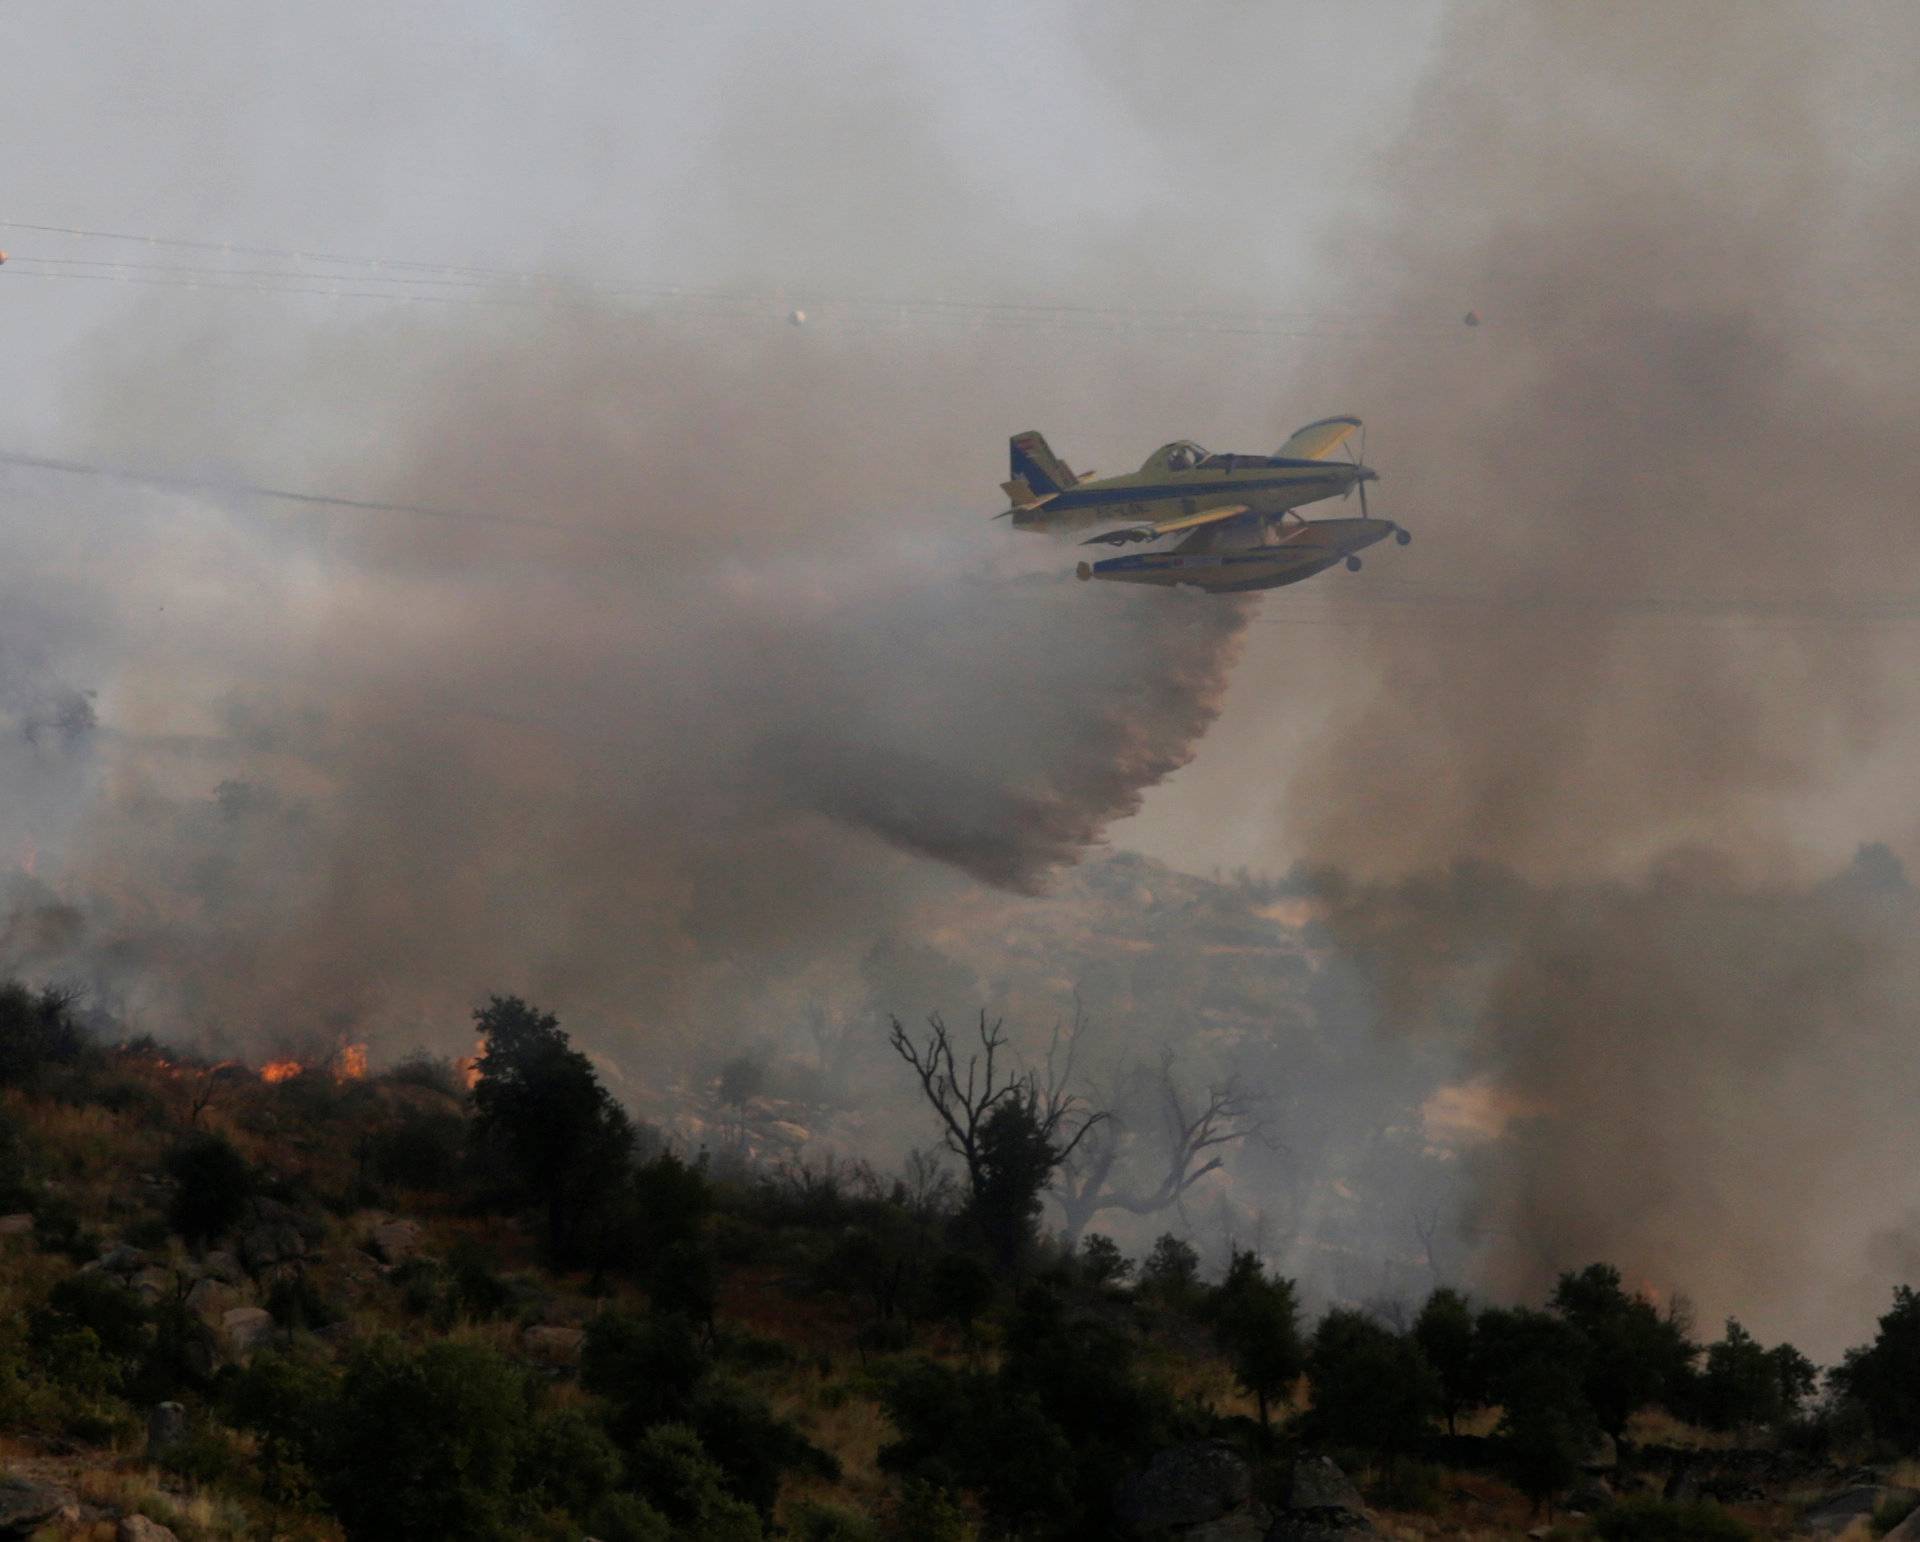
{"x": 814, "y": 1520}
{"x": 645, "y": 1366}
{"x": 1658, "y": 1520}
{"x": 473, "y": 1283}
{"x": 213, "y": 1185}
{"x": 567, "y": 1461}
{"x": 90, "y": 1334}
{"x": 671, "y": 1468}
{"x": 924, "y": 1513}
{"x": 57, "y": 1229}
{"x": 629, "y": 1518}
{"x": 297, "y": 1302}
{"x": 15, "y": 1186}
{"x": 752, "y": 1445}
{"x": 960, "y": 1287}
{"x": 423, "y": 1149}
{"x": 208, "y": 1454}
{"x": 1408, "y": 1486}
{"x": 425, "y": 1442}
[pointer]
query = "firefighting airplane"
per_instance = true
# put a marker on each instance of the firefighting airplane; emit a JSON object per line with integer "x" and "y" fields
{"x": 1237, "y": 512}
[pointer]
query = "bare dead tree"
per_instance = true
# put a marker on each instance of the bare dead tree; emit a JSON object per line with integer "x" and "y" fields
{"x": 965, "y": 1100}
{"x": 1190, "y": 1135}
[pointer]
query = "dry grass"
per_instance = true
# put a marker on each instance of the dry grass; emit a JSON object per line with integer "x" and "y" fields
{"x": 82, "y": 1140}
{"x": 1657, "y": 1427}
{"x": 194, "y": 1516}
{"x": 852, "y": 1429}
{"x": 1208, "y": 1382}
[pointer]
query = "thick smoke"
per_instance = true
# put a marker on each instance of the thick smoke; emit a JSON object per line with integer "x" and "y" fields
{"x": 720, "y": 695}
{"x": 1660, "y": 497}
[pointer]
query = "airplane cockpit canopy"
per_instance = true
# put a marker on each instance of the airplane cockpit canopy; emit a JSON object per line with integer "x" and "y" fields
{"x": 1181, "y": 455}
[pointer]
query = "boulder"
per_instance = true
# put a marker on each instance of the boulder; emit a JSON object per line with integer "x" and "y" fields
{"x": 211, "y": 1299}
{"x": 26, "y": 1506}
{"x": 137, "y": 1528}
{"x": 1320, "y": 1485}
{"x": 1184, "y": 1486}
{"x": 20, "y": 1225}
{"x": 1836, "y": 1513}
{"x": 122, "y": 1258}
{"x": 1907, "y": 1531}
{"x": 396, "y": 1241}
{"x": 153, "y": 1284}
{"x": 270, "y": 1243}
{"x": 166, "y": 1428}
{"x": 245, "y": 1328}
{"x": 222, "y": 1266}
{"x": 552, "y": 1345}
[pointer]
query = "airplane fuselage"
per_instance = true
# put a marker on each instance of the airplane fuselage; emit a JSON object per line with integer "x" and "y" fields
{"x": 1264, "y": 485}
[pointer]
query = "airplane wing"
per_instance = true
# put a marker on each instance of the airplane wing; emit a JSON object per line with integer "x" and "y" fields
{"x": 1168, "y": 526}
{"x": 1318, "y": 440}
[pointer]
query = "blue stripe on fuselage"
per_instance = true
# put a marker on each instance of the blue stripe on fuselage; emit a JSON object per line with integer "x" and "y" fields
{"x": 1094, "y": 497}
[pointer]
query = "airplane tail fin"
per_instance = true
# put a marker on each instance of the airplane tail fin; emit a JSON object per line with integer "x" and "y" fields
{"x": 1037, "y": 466}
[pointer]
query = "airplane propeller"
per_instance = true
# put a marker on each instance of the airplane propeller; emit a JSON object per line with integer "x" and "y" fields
{"x": 1360, "y": 464}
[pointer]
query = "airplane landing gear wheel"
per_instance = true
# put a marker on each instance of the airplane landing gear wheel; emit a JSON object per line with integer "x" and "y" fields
{"x": 1353, "y": 564}
{"x": 1403, "y": 536}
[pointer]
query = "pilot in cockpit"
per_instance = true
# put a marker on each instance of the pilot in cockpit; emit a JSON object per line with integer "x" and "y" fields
{"x": 1182, "y": 457}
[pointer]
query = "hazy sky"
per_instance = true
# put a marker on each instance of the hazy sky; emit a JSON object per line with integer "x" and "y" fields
{"x": 1149, "y": 154}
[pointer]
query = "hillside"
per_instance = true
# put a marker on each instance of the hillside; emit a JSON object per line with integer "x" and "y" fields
{"x": 319, "y": 1302}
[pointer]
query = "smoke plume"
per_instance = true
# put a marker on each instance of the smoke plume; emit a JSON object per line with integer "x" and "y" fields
{"x": 712, "y": 693}
{"x": 1663, "y": 500}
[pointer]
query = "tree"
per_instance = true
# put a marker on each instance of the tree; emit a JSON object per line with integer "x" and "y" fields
{"x": 1634, "y": 1355}
{"x": 537, "y": 1099}
{"x": 1007, "y": 1126}
{"x": 1444, "y": 1332}
{"x": 1547, "y": 1426}
{"x": 1256, "y": 1320}
{"x": 1159, "y": 1126}
{"x": 37, "y": 1030}
{"x": 1016, "y": 1159}
{"x": 1884, "y": 1376}
{"x": 1171, "y": 1270}
{"x": 1372, "y": 1387}
{"x": 1102, "y": 1261}
{"x": 1746, "y": 1386}
{"x": 1533, "y": 1365}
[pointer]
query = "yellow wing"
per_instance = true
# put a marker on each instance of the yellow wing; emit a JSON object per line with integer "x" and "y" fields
{"x": 1318, "y": 440}
{"x": 1167, "y": 526}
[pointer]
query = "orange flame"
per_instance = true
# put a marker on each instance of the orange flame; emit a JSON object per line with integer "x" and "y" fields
{"x": 351, "y": 1064}
{"x": 280, "y": 1070}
